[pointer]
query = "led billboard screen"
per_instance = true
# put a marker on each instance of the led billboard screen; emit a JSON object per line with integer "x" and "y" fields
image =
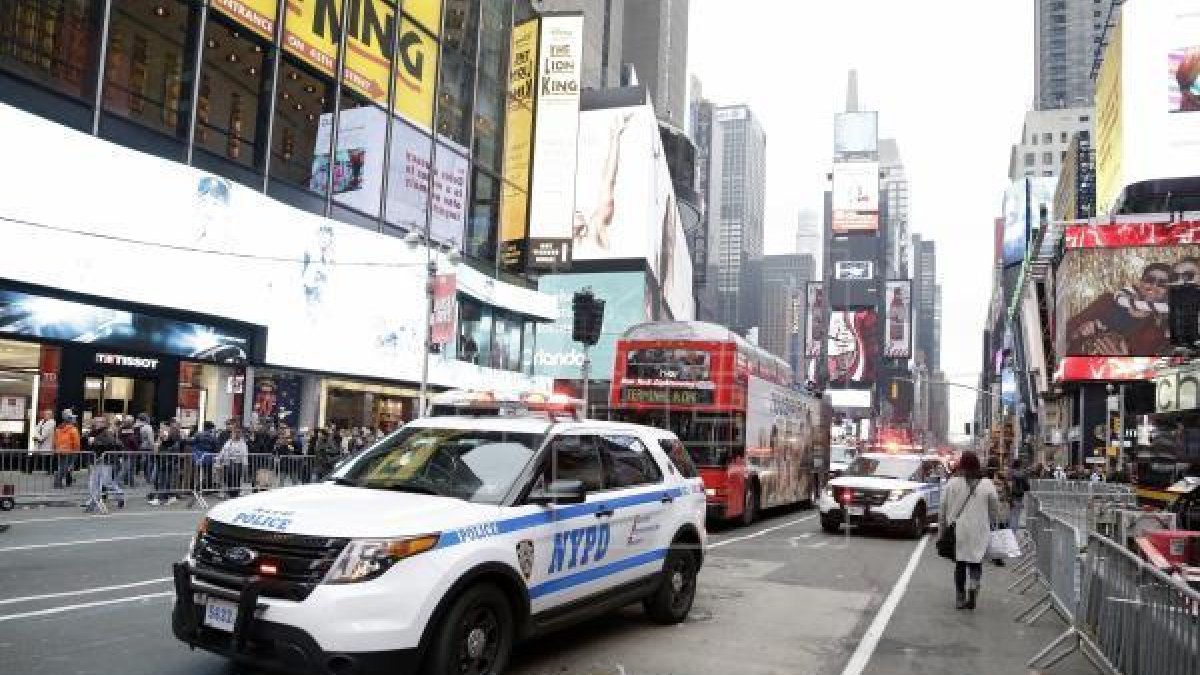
{"x": 560, "y": 357}
{"x": 855, "y": 132}
{"x": 855, "y": 197}
{"x": 898, "y": 309}
{"x": 852, "y": 348}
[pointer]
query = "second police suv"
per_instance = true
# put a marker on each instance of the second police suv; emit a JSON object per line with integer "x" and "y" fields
{"x": 895, "y": 490}
{"x": 444, "y": 544}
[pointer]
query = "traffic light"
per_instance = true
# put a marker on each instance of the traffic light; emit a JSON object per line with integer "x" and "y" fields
{"x": 587, "y": 317}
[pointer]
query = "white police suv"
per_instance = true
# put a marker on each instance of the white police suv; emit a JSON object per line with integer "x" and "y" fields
{"x": 892, "y": 490}
{"x": 445, "y": 543}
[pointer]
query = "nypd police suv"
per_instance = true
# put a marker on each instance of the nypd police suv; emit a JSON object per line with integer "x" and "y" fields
{"x": 885, "y": 489}
{"x": 445, "y": 543}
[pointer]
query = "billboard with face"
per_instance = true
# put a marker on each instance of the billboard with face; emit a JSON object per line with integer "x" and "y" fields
{"x": 851, "y": 348}
{"x": 1113, "y": 301}
{"x": 855, "y": 197}
{"x": 898, "y": 333}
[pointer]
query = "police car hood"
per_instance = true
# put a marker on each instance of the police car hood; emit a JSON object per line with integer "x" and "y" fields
{"x": 873, "y": 483}
{"x": 325, "y": 509}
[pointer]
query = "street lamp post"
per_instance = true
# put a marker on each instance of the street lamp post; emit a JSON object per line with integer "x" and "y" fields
{"x": 431, "y": 269}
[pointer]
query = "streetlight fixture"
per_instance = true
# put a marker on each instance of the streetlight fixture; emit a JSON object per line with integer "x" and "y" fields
{"x": 413, "y": 240}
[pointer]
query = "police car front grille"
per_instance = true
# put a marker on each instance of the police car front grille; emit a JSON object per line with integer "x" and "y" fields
{"x": 862, "y": 497}
{"x": 300, "y": 561}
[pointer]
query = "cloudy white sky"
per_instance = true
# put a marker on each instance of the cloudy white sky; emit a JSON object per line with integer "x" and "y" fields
{"x": 951, "y": 80}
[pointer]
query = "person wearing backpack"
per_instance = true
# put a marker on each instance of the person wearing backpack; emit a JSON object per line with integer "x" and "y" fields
{"x": 970, "y": 505}
{"x": 1018, "y": 486}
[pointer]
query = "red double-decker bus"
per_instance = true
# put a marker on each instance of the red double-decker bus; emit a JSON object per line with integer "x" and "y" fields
{"x": 751, "y": 434}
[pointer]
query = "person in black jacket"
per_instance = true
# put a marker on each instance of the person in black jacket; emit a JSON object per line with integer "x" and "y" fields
{"x": 100, "y": 478}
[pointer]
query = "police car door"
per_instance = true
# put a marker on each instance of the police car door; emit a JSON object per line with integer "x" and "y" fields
{"x": 934, "y": 473}
{"x": 642, "y": 497}
{"x": 569, "y": 552}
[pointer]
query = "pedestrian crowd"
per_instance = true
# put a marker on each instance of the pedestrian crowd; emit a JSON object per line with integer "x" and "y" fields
{"x": 172, "y": 459}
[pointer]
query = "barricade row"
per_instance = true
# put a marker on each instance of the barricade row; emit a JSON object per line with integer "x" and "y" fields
{"x": 41, "y": 478}
{"x": 1078, "y": 486}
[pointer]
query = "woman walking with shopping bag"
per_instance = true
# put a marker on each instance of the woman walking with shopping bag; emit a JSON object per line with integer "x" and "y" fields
{"x": 969, "y": 507}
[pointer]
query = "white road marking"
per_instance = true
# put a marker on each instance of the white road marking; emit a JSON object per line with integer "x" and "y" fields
{"x": 752, "y": 535}
{"x": 80, "y": 542}
{"x": 870, "y": 640}
{"x": 139, "y": 514}
{"x": 85, "y": 605}
{"x": 86, "y": 591}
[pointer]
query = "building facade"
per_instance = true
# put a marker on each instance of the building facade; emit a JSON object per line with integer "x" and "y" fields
{"x": 1067, "y": 34}
{"x": 603, "y": 26}
{"x": 808, "y": 235}
{"x": 250, "y": 210}
{"x": 893, "y": 208}
{"x": 783, "y": 281}
{"x": 1045, "y": 141}
{"x": 655, "y": 41}
{"x": 740, "y": 207}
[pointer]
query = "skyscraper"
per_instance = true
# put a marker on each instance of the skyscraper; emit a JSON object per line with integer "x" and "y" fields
{"x": 705, "y": 132}
{"x": 1067, "y": 33}
{"x": 654, "y": 39}
{"x": 893, "y": 195}
{"x": 927, "y": 341}
{"x": 603, "y": 23}
{"x": 739, "y": 210}
{"x": 808, "y": 235}
{"x": 783, "y": 280}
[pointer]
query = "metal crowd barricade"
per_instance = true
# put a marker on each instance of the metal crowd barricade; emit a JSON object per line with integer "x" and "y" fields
{"x": 42, "y": 477}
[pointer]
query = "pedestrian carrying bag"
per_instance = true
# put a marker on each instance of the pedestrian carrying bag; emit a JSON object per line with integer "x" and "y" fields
{"x": 1002, "y": 543}
{"x": 947, "y": 540}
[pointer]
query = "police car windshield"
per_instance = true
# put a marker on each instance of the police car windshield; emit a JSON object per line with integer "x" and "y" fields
{"x": 475, "y": 465}
{"x": 903, "y": 468}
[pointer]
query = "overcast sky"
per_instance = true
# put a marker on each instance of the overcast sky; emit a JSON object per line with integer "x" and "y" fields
{"x": 951, "y": 80}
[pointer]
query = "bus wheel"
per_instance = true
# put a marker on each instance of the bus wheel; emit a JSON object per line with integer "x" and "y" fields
{"x": 749, "y": 504}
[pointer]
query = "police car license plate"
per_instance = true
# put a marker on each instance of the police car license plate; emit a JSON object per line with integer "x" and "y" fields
{"x": 220, "y": 614}
{"x": 855, "y": 510}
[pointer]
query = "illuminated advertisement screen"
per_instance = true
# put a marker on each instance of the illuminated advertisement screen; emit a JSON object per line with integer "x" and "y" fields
{"x": 856, "y": 132}
{"x": 667, "y": 395}
{"x": 855, "y": 197}
{"x": 815, "y": 323}
{"x": 668, "y": 376}
{"x": 852, "y": 348}
{"x": 34, "y": 316}
{"x": 898, "y": 308}
{"x": 557, "y": 354}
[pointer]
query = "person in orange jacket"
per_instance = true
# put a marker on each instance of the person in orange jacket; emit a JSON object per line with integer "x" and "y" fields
{"x": 66, "y": 447}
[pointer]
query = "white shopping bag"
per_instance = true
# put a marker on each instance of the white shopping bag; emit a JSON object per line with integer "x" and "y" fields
{"x": 1002, "y": 544}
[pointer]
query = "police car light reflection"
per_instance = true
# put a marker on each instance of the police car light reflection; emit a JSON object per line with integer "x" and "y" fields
{"x": 585, "y": 544}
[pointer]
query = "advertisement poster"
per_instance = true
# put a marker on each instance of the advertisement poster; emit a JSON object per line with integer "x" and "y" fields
{"x": 1183, "y": 85}
{"x": 898, "y": 332}
{"x": 552, "y": 199}
{"x": 1016, "y": 218}
{"x": 1105, "y": 368}
{"x": 558, "y": 356}
{"x": 855, "y": 197}
{"x": 851, "y": 350}
{"x": 445, "y": 309}
{"x": 277, "y": 396}
{"x": 310, "y": 30}
{"x": 257, "y": 15}
{"x": 815, "y": 323}
{"x": 853, "y": 270}
{"x": 416, "y": 63}
{"x": 855, "y": 132}
{"x": 1131, "y": 234}
{"x": 333, "y": 297}
{"x": 1113, "y": 301}
{"x": 518, "y": 146}
{"x": 781, "y": 429}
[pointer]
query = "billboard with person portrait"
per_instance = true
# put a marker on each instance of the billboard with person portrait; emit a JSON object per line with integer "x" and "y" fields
{"x": 855, "y": 197}
{"x": 852, "y": 348}
{"x": 1113, "y": 301}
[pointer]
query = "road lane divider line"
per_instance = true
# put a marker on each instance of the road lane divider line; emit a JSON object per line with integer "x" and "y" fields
{"x": 104, "y": 540}
{"x": 870, "y": 640}
{"x": 759, "y": 533}
{"x": 84, "y": 605}
{"x": 110, "y": 516}
{"x": 85, "y": 591}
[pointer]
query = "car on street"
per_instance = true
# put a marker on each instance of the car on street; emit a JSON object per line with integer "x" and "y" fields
{"x": 900, "y": 491}
{"x": 840, "y": 457}
{"x": 444, "y": 544}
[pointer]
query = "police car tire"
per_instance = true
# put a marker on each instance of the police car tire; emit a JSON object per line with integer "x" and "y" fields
{"x": 750, "y": 504}
{"x": 917, "y": 524}
{"x": 668, "y": 604}
{"x": 481, "y": 607}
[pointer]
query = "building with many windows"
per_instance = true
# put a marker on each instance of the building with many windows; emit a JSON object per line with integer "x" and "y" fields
{"x": 893, "y": 210}
{"x": 228, "y": 210}
{"x": 740, "y": 207}
{"x": 1067, "y": 34}
{"x": 1046, "y": 139}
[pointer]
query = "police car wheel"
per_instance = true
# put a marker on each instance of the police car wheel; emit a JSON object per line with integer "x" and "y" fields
{"x": 476, "y": 635}
{"x": 916, "y": 524}
{"x": 672, "y": 601}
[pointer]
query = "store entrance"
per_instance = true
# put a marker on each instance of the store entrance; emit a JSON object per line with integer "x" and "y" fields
{"x": 115, "y": 395}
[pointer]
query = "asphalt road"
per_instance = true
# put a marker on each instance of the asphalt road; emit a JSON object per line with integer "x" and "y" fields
{"x": 85, "y": 595}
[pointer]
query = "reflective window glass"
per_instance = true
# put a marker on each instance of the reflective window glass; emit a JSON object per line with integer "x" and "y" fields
{"x": 475, "y": 332}
{"x": 230, "y": 123}
{"x": 303, "y": 122}
{"x": 490, "y": 86}
{"x": 481, "y": 228}
{"x": 457, "y": 77}
{"x": 51, "y": 43}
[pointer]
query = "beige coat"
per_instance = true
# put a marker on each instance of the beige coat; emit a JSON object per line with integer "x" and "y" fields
{"x": 974, "y": 526}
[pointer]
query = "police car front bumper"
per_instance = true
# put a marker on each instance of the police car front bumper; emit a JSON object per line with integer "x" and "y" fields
{"x": 891, "y": 513}
{"x": 271, "y": 645}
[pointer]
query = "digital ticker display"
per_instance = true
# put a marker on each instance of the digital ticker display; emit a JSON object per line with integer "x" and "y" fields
{"x": 667, "y": 395}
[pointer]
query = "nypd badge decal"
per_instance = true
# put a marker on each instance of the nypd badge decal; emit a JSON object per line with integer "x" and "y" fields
{"x": 525, "y": 557}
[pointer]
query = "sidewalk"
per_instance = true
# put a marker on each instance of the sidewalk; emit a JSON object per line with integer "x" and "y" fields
{"x": 927, "y": 636}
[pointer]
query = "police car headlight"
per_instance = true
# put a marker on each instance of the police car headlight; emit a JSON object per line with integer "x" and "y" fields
{"x": 365, "y": 559}
{"x": 897, "y": 495}
{"x": 200, "y": 530}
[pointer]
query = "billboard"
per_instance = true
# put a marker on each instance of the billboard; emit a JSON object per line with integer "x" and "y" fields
{"x": 855, "y": 132}
{"x": 897, "y": 339}
{"x": 1148, "y": 98}
{"x": 557, "y": 355}
{"x": 357, "y": 173}
{"x": 1106, "y": 368}
{"x": 854, "y": 270}
{"x": 257, "y": 15}
{"x": 518, "y": 146}
{"x": 625, "y": 207}
{"x": 851, "y": 400}
{"x": 1023, "y": 202}
{"x": 333, "y": 297}
{"x": 852, "y": 348}
{"x": 817, "y": 314}
{"x": 782, "y": 427}
{"x": 556, "y": 128}
{"x": 855, "y": 197}
{"x": 1113, "y": 301}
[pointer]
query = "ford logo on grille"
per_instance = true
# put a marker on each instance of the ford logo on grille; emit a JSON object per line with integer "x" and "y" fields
{"x": 239, "y": 555}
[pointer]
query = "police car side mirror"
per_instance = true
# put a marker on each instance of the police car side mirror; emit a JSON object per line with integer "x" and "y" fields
{"x": 559, "y": 492}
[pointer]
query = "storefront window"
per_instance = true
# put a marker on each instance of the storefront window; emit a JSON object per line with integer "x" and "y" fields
{"x": 457, "y": 76}
{"x": 481, "y": 228}
{"x": 301, "y": 140}
{"x": 51, "y": 43}
{"x": 148, "y": 72}
{"x": 230, "y": 123}
{"x": 209, "y": 393}
{"x": 18, "y": 382}
{"x": 492, "y": 79}
{"x": 475, "y": 332}
{"x": 353, "y": 406}
{"x": 506, "y": 352}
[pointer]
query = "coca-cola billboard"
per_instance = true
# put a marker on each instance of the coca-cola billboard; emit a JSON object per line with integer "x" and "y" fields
{"x": 852, "y": 348}
{"x": 897, "y": 336}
